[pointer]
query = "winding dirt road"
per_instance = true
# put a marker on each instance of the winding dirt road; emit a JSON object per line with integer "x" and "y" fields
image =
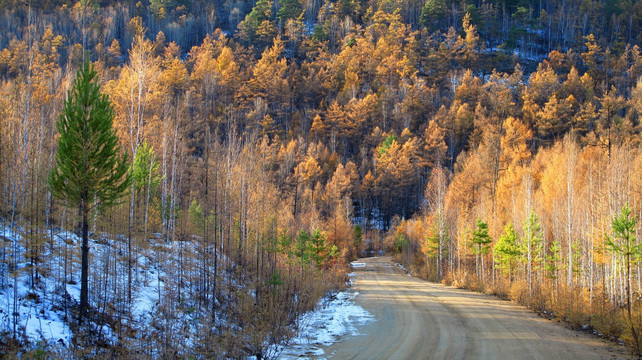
{"x": 416, "y": 319}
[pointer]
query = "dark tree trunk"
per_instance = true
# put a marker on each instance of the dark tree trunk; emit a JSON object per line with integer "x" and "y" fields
{"x": 129, "y": 247}
{"x": 84, "y": 278}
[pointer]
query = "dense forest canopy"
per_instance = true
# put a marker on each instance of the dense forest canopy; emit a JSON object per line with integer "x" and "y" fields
{"x": 489, "y": 144}
{"x": 345, "y": 75}
{"x": 533, "y": 27}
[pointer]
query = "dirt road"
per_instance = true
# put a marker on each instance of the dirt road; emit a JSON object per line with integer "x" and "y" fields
{"x": 416, "y": 319}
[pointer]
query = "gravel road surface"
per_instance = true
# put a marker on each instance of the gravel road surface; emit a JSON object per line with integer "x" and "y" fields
{"x": 416, "y": 319}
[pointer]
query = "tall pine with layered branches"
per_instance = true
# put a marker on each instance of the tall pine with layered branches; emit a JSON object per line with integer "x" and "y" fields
{"x": 90, "y": 170}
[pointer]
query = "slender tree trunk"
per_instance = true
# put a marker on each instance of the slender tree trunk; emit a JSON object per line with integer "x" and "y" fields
{"x": 636, "y": 340}
{"x": 84, "y": 271}
{"x": 15, "y": 314}
{"x": 570, "y": 177}
{"x": 216, "y": 236}
{"x": 482, "y": 265}
{"x": 129, "y": 247}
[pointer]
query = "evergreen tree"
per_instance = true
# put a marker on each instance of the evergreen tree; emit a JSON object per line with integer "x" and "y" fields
{"x": 507, "y": 251}
{"x": 302, "y": 247}
{"x": 553, "y": 260}
{"x": 624, "y": 244}
{"x": 318, "y": 248}
{"x": 258, "y": 23}
{"x": 89, "y": 170}
{"x": 432, "y": 13}
{"x": 480, "y": 241}
{"x": 146, "y": 177}
{"x": 531, "y": 248}
{"x": 288, "y": 9}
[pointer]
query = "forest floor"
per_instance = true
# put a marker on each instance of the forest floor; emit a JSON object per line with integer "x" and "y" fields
{"x": 39, "y": 314}
{"x": 416, "y": 319}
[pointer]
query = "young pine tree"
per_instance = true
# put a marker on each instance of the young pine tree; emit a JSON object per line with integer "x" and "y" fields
{"x": 507, "y": 251}
{"x": 89, "y": 170}
{"x": 532, "y": 247}
{"x": 624, "y": 243}
{"x": 480, "y": 241}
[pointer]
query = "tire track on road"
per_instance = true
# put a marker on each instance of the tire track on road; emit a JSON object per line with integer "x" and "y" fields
{"x": 415, "y": 319}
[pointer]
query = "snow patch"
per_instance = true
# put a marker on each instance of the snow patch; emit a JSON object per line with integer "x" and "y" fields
{"x": 36, "y": 306}
{"x": 335, "y": 316}
{"x": 404, "y": 269}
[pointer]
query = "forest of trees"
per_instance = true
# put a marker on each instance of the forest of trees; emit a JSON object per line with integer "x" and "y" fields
{"x": 493, "y": 145}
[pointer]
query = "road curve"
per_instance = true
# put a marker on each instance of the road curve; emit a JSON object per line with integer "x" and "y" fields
{"x": 416, "y": 319}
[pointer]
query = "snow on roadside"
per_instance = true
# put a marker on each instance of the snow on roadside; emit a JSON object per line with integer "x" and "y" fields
{"x": 404, "y": 269}
{"x": 334, "y": 317}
